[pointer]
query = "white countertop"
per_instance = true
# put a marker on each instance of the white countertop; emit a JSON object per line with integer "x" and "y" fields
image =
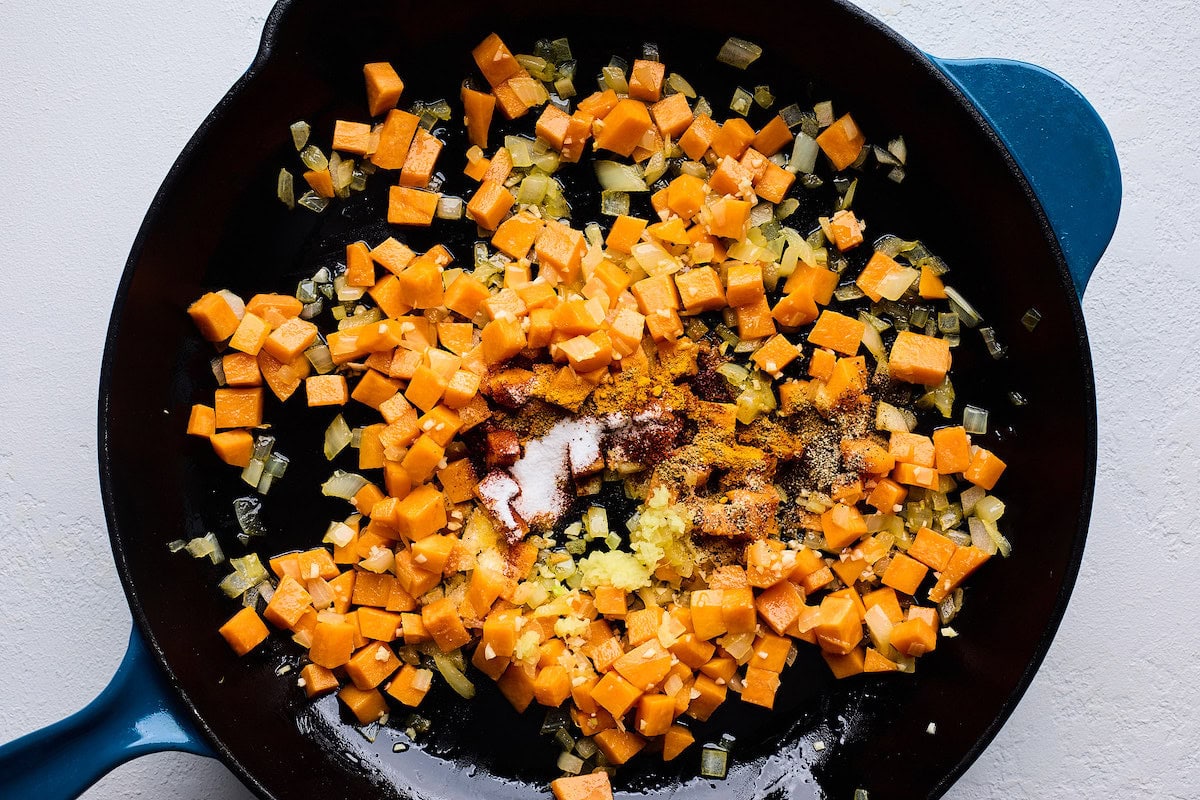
{"x": 100, "y": 97}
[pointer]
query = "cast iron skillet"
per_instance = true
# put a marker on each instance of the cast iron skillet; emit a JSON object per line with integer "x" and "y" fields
{"x": 215, "y": 223}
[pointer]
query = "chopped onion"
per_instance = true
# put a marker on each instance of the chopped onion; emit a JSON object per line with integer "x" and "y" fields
{"x": 176, "y": 545}
{"x": 804, "y": 154}
{"x": 585, "y": 747}
{"x": 677, "y": 83}
{"x": 380, "y": 560}
{"x": 980, "y": 537}
{"x": 947, "y": 322}
{"x": 975, "y": 419}
{"x": 739, "y": 53}
{"x": 533, "y": 188}
{"x": 300, "y": 132}
{"x": 1031, "y": 319}
{"x": 453, "y": 676}
{"x": 246, "y": 510}
{"x": 253, "y": 471}
{"x": 569, "y": 763}
{"x": 871, "y": 338}
{"x": 343, "y": 484}
{"x": 714, "y": 762}
{"x": 741, "y": 101}
{"x": 614, "y": 204}
{"x": 449, "y": 207}
{"x": 314, "y": 159}
{"x": 205, "y": 546}
{"x": 995, "y": 349}
{"x": 899, "y": 149}
{"x": 896, "y": 282}
{"x": 339, "y": 534}
{"x": 763, "y": 96}
{"x": 337, "y": 436}
{"x": 1017, "y": 399}
{"x": 616, "y": 177}
{"x": 896, "y": 420}
{"x": 613, "y": 77}
{"x": 966, "y": 312}
{"x": 285, "y": 189}
{"x": 319, "y": 356}
{"x": 989, "y": 508}
{"x": 655, "y": 260}
{"x": 313, "y": 202}
{"x": 218, "y": 370}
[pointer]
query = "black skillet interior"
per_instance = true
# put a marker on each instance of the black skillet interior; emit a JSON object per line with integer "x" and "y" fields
{"x": 216, "y": 224}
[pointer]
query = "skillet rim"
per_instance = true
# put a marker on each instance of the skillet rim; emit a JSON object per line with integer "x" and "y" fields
{"x": 922, "y": 62}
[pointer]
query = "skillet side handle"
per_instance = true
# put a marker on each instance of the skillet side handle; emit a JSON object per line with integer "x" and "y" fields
{"x": 1061, "y": 145}
{"x": 134, "y": 715}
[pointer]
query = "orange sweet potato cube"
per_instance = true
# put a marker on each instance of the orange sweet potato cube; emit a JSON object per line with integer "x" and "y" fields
{"x": 410, "y": 686}
{"x": 838, "y": 332}
{"x": 625, "y": 233}
{"x": 495, "y": 60}
{"x": 408, "y": 206}
{"x": 772, "y": 137}
{"x": 592, "y": 786}
{"x": 372, "y": 665}
{"x": 332, "y": 644}
{"x": 842, "y": 142}
{"x": 489, "y": 204}
{"x": 326, "y": 390}
{"x": 383, "y": 87}
{"x": 700, "y": 289}
{"x": 622, "y": 128}
{"x": 366, "y": 706}
{"x": 760, "y": 686}
{"x": 776, "y": 354}
{"x": 646, "y": 80}
{"x": 983, "y": 471}
{"x": 672, "y": 115}
{"x": 214, "y": 317}
{"x": 422, "y": 159}
{"x": 244, "y": 631}
{"x": 421, "y": 513}
{"x": 202, "y": 421}
{"x": 238, "y": 408}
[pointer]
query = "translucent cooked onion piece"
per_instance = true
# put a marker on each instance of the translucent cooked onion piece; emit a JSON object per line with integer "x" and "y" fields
{"x": 714, "y": 762}
{"x": 616, "y": 177}
{"x": 343, "y": 484}
{"x": 337, "y": 437}
{"x": 285, "y": 189}
{"x": 300, "y": 131}
{"x": 739, "y": 53}
{"x": 453, "y": 676}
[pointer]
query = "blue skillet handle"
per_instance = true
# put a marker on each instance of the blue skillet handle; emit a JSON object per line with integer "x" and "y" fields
{"x": 135, "y": 714}
{"x": 1061, "y": 145}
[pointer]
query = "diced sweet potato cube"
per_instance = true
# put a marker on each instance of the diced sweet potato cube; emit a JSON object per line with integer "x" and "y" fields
{"x": 840, "y": 627}
{"x": 616, "y": 694}
{"x": 502, "y": 339}
{"x": 618, "y": 746}
{"x": 244, "y": 631}
{"x": 760, "y": 686}
{"x": 214, "y": 317}
{"x": 516, "y": 684}
{"x": 383, "y": 87}
{"x": 408, "y": 206}
{"x": 372, "y": 665}
{"x": 932, "y": 549}
{"x": 332, "y": 644}
{"x": 984, "y": 470}
{"x": 622, "y": 128}
{"x": 844, "y": 665}
{"x": 700, "y": 289}
{"x": 489, "y": 204}
{"x": 592, "y": 786}
{"x": 733, "y": 138}
{"x": 646, "y": 80}
{"x": 914, "y": 637}
{"x": 776, "y": 354}
{"x": 366, "y": 706}
{"x": 918, "y": 358}
{"x": 676, "y": 740}
{"x": 202, "y": 421}
{"x": 317, "y": 680}
{"x": 495, "y": 60}
{"x": 445, "y": 625}
{"x": 838, "y": 332}
{"x": 842, "y": 142}
{"x": 410, "y": 686}
{"x": 422, "y": 512}
{"x": 672, "y": 115}
{"x": 707, "y": 695}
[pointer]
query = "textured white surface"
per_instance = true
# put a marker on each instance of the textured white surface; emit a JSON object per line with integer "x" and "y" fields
{"x": 99, "y": 99}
